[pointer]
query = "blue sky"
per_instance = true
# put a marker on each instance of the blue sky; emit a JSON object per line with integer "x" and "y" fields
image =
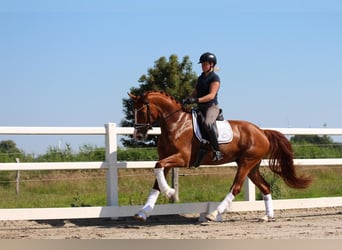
{"x": 70, "y": 63}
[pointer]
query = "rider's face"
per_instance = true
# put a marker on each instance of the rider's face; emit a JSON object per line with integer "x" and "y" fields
{"x": 206, "y": 66}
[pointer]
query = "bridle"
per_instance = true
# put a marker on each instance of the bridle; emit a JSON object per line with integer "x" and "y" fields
{"x": 147, "y": 125}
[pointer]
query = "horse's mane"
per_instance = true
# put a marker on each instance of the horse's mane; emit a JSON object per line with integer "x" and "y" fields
{"x": 162, "y": 93}
{"x": 185, "y": 109}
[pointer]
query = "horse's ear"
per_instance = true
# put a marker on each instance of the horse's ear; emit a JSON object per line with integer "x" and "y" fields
{"x": 132, "y": 96}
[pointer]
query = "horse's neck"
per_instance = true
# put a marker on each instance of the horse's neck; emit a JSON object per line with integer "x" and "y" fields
{"x": 167, "y": 107}
{"x": 175, "y": 120}
{"x": 171, "y": 114}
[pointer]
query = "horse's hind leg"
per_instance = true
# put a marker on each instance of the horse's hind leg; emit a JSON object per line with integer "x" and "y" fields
{"x": 264, "y": 187}
{"x": 244, "y": 167}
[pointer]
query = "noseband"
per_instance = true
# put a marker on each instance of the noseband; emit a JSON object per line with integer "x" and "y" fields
{"x": 147, "y": 125}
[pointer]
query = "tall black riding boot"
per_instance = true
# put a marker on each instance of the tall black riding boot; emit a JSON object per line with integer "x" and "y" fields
{"x": 213, "y": 139}
{"x": 201, "y": 153}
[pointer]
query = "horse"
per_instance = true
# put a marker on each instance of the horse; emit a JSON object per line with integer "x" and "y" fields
{"x": 178, "y": 147}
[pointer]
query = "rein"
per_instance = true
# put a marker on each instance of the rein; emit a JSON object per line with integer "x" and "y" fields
{"x": 166, "y": 117}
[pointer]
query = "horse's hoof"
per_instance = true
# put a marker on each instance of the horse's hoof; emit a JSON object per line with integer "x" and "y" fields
{"x": 266, "y": 218}
{"x": 171, "y": 194}
{"x": 214, "y": 216}
{"x": 140, "y": 216}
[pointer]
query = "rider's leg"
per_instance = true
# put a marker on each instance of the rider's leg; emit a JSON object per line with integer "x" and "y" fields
{"x": 210, "y": 125}
{"x": 200, "y": 155}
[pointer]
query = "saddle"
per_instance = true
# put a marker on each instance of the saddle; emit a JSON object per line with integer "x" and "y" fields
{"x": 225, "y": 132}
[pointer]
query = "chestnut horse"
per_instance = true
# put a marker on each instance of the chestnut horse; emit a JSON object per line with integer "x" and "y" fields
{"x": 178, "y": 148}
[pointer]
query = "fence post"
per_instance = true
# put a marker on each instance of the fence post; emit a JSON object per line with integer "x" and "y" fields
{"x": 17, "y": 178}
{"x": 175, "y": 183}
{"x": 111, "y": 158}
{"x": 249, "y": 188}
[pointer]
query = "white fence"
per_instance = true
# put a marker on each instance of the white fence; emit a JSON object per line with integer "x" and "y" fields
{"x": 113, "y": 209}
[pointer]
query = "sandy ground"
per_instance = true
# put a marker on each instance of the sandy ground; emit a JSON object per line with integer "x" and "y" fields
{"x": 319, "y": 223}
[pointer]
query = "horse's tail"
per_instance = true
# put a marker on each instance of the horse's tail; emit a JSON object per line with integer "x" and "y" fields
{"x": 281, "y": 160}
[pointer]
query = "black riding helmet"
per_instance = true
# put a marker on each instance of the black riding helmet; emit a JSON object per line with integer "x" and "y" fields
{"x": 208, "y": 57}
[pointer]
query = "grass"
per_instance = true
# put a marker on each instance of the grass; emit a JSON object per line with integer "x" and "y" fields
{"x": 54, "y": 189}
{"x": 327, "y": 183}
{"x": 88, "y": 187}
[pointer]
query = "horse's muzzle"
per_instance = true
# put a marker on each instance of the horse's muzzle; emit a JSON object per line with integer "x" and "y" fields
{"x": 139, "y": 135}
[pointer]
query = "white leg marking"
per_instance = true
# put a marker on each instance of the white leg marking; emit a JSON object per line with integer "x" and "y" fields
{"x": 162, "y": 183}
{"x": 144, "y": 212}
{"x": 224, "y": 206}
{"x": 269, "y": 216}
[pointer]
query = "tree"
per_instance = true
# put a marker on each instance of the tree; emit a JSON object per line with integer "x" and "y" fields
{"x": 173, "y": 77}
{"x": 9, "y": 151}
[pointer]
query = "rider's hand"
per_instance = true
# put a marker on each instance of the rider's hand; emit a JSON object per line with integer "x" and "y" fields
{"x": 190, "y": 100}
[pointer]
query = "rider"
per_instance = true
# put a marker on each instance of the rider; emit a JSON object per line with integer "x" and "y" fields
{"x": 205, "y": 95}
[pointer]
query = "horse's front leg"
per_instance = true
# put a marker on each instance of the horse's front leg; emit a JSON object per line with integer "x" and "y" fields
{"x": 161, "y": 169}
{"x": 145, "y": 211}
{"x": 162, "y": 184}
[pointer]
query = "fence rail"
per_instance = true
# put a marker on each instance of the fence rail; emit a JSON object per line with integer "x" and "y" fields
{"x": 113, "y": 209}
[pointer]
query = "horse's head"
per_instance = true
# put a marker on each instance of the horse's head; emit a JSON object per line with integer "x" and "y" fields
{"x": 151, "y": 107}
{"x": 142, "y": 117}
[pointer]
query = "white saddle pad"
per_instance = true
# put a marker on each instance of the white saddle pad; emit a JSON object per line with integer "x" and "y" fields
{"x": 225, "y": 132}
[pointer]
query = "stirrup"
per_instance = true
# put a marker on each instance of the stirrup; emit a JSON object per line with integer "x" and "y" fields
{"x": 217, "y": 156}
